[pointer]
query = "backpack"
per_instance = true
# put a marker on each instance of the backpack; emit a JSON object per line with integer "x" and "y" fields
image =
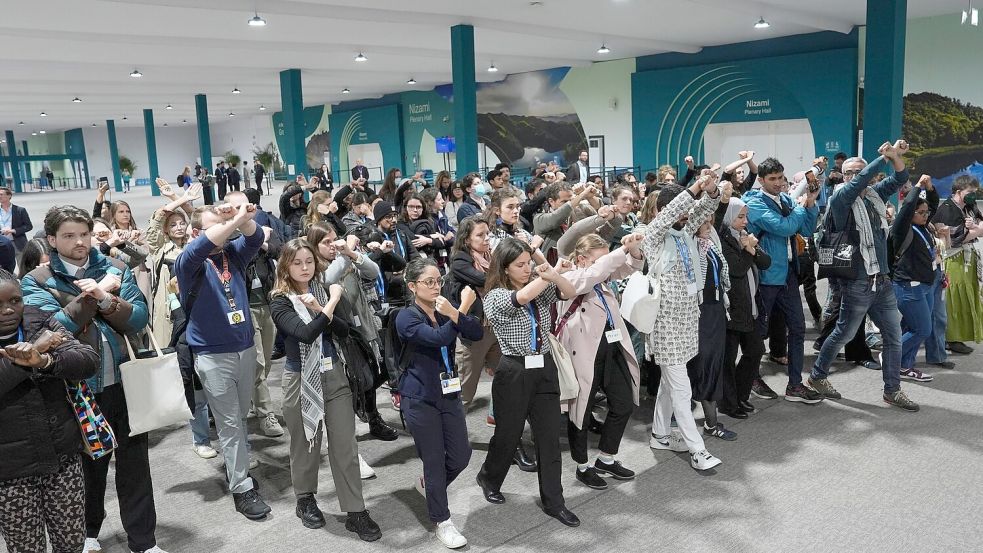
{"x": 394, "y": 350}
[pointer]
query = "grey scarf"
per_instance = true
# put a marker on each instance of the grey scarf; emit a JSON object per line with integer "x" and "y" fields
{"x": 311, "y": 392}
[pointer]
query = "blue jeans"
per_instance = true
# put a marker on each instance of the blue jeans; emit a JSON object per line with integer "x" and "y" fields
{"x": 785, "y": 298}
{"x": 935, "y": 344}
{"x": 915, "y": 302}
{"x": 875, "y": 298}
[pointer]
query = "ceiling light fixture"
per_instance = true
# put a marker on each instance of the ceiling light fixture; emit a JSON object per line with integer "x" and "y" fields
{"x": 124, "y": 118}
{"x": 604, "y": 49}
{"x": 93, "y": 124}
{"x": 43, "y": 132}
{"x": 256, "y": 20}
{"x": 21, "y": 123}
{"x": 346, "y": 91}
{"x": 76, "y": 100}
{"x": 361, "y": 57}
{"x": 762, "y": 24}
{"x": 43, "y": 114}
{"x": 232, "y": 114}
{"x": 262, "y": 108}
{"x": 184, "y": 120}
{"x": 34, "y": 134}
{"x": 492, "y": 68}
{"x": 165, "y": 124}
{"x": 136, "y": 74}
{"x": 972, "y": 15}
{"x": 168, "y": 106}
{"x": 411, "y": 81}
{"x": 236, "y": 91}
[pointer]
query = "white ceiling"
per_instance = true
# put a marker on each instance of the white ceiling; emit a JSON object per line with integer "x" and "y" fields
{"x": 54, "y": 50}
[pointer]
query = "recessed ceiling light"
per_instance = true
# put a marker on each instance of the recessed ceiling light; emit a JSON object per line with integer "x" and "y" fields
{"x": 361, "y": 57}
{"x": 77, "y": 100}
{"x": 535, "y": 3}
{"x": 604, "y": 49}
{"x": 411, "y": 81}
{"x": 236, "y": 91}
{"x": 256, "y": 20}
{"x": 492, "y": 68}
{"x": 34, "y": 134}
{"x": 346, "y": 91}
{"x": 165, "y": 124}
{"x": 124, "y": 118}
{"x": 184, "y": 120}
{"x": 168, "y": 106}
{"x": 762, "y": 24}
{"x": 21, "y": 123}
{"x": 262, "y": 108}
{"x": 43, "y": 132}
{"x": 232, "y": 114}
{"x": 43, "y": 114}
{"x": 93, "y": 124}
{"x": 136, "y": 74}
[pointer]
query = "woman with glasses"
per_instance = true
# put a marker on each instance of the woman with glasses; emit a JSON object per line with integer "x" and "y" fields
{"x": 916, "y": 262}
{"x": 416, "y": 215}
{"x": 431, "y": 388}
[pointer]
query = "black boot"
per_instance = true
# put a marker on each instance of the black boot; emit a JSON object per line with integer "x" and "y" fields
{"x": 523, "y": 460}
{"x": 380, "y": 430}
{"x": 309, "y": 514}
{"x": 363, "y": 525}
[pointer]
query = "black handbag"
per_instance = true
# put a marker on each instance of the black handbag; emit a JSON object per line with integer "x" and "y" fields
{"x": 838, "y": 251}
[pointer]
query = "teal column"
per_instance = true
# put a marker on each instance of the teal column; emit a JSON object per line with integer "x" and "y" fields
{"x": 114, "y": 154}
{"x": 205, "y": 144}
{"x": 148, "y": 128}
{"x": 465, "y": 106}
{"x": 27, "y": 164}
{"x": 292, "y": 102}
{"x": 14, "y": 169}
{"x": 884, "y": 73}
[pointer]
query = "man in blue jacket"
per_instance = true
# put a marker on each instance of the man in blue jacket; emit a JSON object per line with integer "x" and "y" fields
{"x": 97, "y": 299}
{"x": 211, "y": 274}
{"x": 871, "y": 291}
{"x": 775, "y": 219}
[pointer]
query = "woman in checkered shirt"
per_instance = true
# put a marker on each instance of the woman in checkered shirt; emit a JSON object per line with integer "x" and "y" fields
{"x": 526, "y": 382}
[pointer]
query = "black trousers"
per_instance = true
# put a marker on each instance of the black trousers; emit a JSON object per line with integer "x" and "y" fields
{"x": 738, "y": 375}
{"x": 777, "y": 334}
{"x": 209, "y": 195}
{"x": 520, "y": 393}
{"x": 441, "y": 438}
{"x": 222, "y": 191}
{"x": 807, "y": 278}
{"x": 611, "y": 375}
{"x": 134, "y": 487}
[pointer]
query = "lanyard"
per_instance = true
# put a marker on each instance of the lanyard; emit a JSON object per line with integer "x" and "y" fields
{"x": 931, "y": 250}
{"x": 225, "y": 277}
{"x": 399, "y": 242}
{"x": 20, "y": 335}
{"x": 683, "y": 250}
{"x": 716, "y": 268}
{"x": 447, "y": 360}
{"x": 533, "y": 326}
{"x": 607, "y": 310}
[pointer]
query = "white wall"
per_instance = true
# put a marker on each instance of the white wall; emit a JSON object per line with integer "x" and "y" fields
{"x": 176, "y": 147}
{"x": 591, "y": 91}
{"x": 242, "y": 135}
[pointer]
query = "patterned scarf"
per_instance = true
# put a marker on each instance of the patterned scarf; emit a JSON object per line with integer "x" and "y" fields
{"x": 482, "y": 261}
{"x": 311, "y": 393}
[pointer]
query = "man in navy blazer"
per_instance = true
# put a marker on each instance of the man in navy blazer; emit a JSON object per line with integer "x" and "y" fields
{"x": 15, "y": 223}
{"x": 359, "y": 171}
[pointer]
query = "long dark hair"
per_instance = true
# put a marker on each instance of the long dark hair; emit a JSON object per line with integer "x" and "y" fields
{"x": 508, "y": 250}
{"x": 404, "y": 213}
{"x": 316, "y": 234}
{"x": 31, "y": 257}
{"x": 389, "y": 185}
{"x": 497, "y": 199}
{"x": 465, "y": 229}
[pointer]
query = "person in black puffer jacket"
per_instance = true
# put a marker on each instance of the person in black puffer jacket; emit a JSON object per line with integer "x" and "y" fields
{"x": 41, "y": 485}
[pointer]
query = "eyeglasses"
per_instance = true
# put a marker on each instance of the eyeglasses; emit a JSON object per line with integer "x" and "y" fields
{"x": 850, "y": 173}
{"x": 922, "y": 212}
{"x": 431, "y": 282}
{"x": 414, "y": 207}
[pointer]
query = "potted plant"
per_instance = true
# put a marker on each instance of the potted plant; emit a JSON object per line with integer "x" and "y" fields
{"x": 232, "y": 159}
{"x": 126, "y": 164}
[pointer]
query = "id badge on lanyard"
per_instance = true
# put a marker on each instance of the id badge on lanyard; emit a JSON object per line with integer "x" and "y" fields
{"x": 536, "y": 360}
{"x": 450, "y": 382}
{"x": 613, "y": 336}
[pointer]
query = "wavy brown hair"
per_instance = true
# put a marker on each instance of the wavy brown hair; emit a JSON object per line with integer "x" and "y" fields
{"x": 508, "y": 250}
{"x": 284, "y": 284}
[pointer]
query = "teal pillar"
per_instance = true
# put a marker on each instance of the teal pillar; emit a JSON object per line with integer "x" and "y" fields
{"x": 292, "y": 102}
{"x": 205, "y": 143}
{"x": 14, "y": 169}
{"x": 465, "y": 107}
{"x": 27, "y": 164}
{"x": 148, "y": 128}
{"x": 884, "y": 73}
{"x": 114, "y": 154}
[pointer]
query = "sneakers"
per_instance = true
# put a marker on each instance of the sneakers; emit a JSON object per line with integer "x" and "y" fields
{"x": 762, "y": 390}
{"x": 251, "y": 505}
{"x": 421, "y": 486}
{"x": 308, "y": 512}
{"x": 253, "y": 463}
{"x": 719, "y": 432}
{"x": 364, "y": 470}
{"x": 154, "y": 549}
{"x": 449, "y": 536}
{"x": 801, "y": 394}
{"x": 204, "y": 451}
{"x": 615, "y": 470}
{"x": 672, "y": 442}
{"x": 958, "y": 347}
{"x": 591, "y": 479}
{"x": 899, "y": 399}
{"x": 702, "y": 460}
{"x": 271, "y": 427}
{"x": 915, "y": 375}
{"x": 872, "y": 365}
{"x": 490, "y": 421}
{"x": 396, "y": 399}
{"x": 363, "y": 525}
{"x": 92, "y": 545}
{"x": 823, "y": 387}
{"x": 380, "y": 430}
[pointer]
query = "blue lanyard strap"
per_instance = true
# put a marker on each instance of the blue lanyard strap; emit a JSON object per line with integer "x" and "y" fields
{"x": 533, "y": 326}
{"x": 399, "y": 242}
{"x": 380, "y": 286}
{"x": 683, "y": 250}
{"x": 931, "y": 249}
{"x": 716, "y": 268}
{"x": 607, "y": 310}
{"x": 447, "y": 360}
{"x": 20, "y": 335}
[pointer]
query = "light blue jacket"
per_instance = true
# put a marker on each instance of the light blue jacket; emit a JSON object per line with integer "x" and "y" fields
{"x": 774, "y": 230}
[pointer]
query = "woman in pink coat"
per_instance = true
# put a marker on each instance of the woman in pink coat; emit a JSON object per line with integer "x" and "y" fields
{"x": 592, "y": 330}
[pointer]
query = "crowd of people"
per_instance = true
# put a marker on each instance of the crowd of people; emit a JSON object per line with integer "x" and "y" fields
{"x": 420, "y": 288}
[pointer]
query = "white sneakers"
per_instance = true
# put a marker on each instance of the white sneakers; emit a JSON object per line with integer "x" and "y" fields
{"x": 204, "y": 451}
{"x": 271, "y": 427}
{"x": 702, "y": 460}
{"x": 253, "y": 463}
{"x": 92, "y": 545}
{"x": 154, "y": 549}
{"x": 672, "y": 442}
{"x": 449, "y": 536}
{"x": 364, "y": 470}
{"x": 421, "y": 487}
